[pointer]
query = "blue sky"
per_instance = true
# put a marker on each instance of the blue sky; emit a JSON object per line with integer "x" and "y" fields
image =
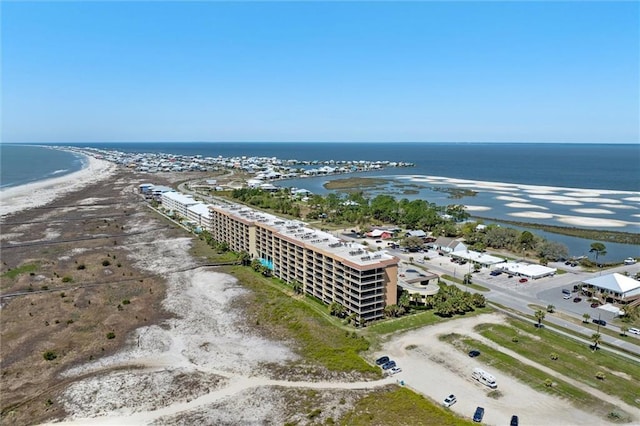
{"x": 321, "y": 71}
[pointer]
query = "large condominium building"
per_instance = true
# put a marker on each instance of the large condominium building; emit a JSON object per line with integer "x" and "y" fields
{"x": 177, "y": 202}
{"x": 328, "y": 268}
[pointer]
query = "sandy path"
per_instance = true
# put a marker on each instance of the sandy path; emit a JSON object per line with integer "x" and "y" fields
{"x": 436, "y": 369}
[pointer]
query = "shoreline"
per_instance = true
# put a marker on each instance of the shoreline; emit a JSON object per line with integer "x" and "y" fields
{"x": 23, "y": 197}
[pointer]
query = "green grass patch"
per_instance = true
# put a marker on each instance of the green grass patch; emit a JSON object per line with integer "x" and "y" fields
{"x": 317, "y": 338}
{"x": 459, "y": 281}
{"x": 529, "y": 375}
{"x": 23, "y": 269}
{"x": 417, "y": 320}
{"x": 575, "y": 359}
{"x": 399, "y": 406}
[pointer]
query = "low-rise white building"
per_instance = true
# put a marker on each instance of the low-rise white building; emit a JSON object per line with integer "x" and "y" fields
{"x": 528, "y": 270}
{"x": 177, "y": 202}
{"x": 615, "y": 287}
{"x": 199, "y": 215}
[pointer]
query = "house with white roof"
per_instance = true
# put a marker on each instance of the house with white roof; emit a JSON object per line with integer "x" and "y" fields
{"x": 615, "y": 287}
{"x": 448, "y": 245}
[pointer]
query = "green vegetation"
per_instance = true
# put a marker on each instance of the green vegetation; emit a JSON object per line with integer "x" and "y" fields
{"x": 23, "y": 269}
{"x": 355, "y": 183}
{"x": 413, "y": 321}
{"x": 587, "y": 234}
{"x": 477, "y": 287}
{"x": 49, "y": 355}
{"x": 111, "y": 335}
{"x": 399, "y": 406}
{"x": 574, "y": 359}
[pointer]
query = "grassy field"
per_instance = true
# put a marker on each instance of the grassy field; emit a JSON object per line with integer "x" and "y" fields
{"x": 399, "y": 406}
{"x": 413, "y": 321}
{"x": 459, "y": 281}
{"x": 575, "y": 359}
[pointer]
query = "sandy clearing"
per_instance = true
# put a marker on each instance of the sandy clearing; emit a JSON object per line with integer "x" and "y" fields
{"x": 436, "y": 369}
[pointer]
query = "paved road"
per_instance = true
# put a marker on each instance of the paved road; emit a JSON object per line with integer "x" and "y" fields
{"x": 510, "y": 293}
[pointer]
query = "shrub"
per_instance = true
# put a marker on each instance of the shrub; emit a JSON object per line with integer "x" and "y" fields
{"x": 49, "y": 355}
{"x": 553, "y": 356}
{"x": 126, "y": 302}
{"x": 111, "y": 335}
{"x": 600, "y": 375}
{"x": 81, "y": 267}
{"x": 548, "y": 383}
{"x": 63, "y": 295}
{"x": 67, "y": 279}
{"x": 515, "y": 339}
{"x": 106, "y": 263}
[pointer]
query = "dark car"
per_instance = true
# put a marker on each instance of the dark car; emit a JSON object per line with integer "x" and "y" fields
{"x": 595, "y": 305}
{"x": 577, "y": 299}
{"x": 389, "y": 364}
{"x": 514, "y": 421}
{"x": 523, "y": 280}
{"x": 600, "y": 322}
{"x": 495, "y": 273}
{"x": 382, "y": 360}
{"x": 474, "y": 353}
{"x": 478, "y": 415}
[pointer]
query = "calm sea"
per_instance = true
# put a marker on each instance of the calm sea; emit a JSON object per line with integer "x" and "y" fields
{"x": 588, "y": 166}
{"x": 22, "y": 164}
{"x": 599, "y": 166}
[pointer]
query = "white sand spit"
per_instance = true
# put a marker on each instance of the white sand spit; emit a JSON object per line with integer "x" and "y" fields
{"x": 619, "y": 206}
{"x": 477, "y": 208}
{"x": 593, "y": 221}
{"x": 525, "y": 206}
{"x": 567, "y": 202}
{"x": 532, "y": 215}
{"x": 37, "y": 194}
{"x": 592, "y": 211}
{"x": 632, "y": 199}
{"x": 553, "y": 197}
{"x": 509, "y": 198}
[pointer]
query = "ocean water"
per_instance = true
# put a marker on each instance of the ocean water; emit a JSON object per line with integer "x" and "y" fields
{"x": 556, "y": 184}
{"x": 23, "y": 164}
{"x": 601, "y": 166}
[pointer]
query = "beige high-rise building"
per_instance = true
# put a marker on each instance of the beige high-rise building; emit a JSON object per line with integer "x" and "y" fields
{"x": 328, "y": 268}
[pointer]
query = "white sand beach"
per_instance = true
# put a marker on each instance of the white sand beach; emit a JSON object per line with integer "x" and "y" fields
{"x": 39, "y": 193}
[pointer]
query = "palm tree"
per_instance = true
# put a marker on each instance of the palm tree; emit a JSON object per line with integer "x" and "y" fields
{"x": 297, "y": 286}
{"x": 623, "y": 330}
{"x": 539, "y": 316}
{"x": 586, "y": 318}
{"x": 551, "y": 308}
{"x": 598, "y": 249}
{"x": 596, "y": 338}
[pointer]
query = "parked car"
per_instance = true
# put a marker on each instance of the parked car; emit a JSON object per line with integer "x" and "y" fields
{"x": 629, "y": 261}
{"x": 388, "y": 365}
{"x": 566, "y": 296}
{"x": 595, "y": 305}
{"x": 523, "y": 280}
{"x": 449, "y": 401}
{"x": 514, "y": 421}
{"x": 478, "y": 415}
{"x": 634, "y": 331}
{"x": 599, "y": 322}
{"x": 577, "y": 299}
{"x": 495, "y": 273}
{"x": 474, "y": 353}
{"x": 395, "y": 370}
{"x": 382, "y": 360}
